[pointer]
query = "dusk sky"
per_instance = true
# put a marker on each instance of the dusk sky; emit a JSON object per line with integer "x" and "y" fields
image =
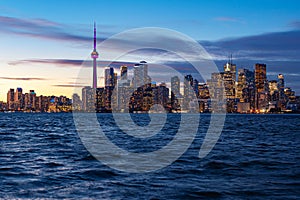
{"x": 43, "y": 44}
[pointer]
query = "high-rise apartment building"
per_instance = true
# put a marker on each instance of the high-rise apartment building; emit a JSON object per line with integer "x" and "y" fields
{"x": 140, "y": 75}
{"x": 161, "y": 95}
{"x": 76, "y": 102}
{"x": 124, "y": 90}
{"x": 32, "y": 100}
{"x": 124, "y": 71}
{"x": 261, "y": 87}
{"x": 88, "y": 99}
{"x": 10, "y": 99}
{"x": 109, "y": 77}
{"x": 229, "y": 78}
{"x": 273, "y": 89}
{"x": 260, "y": 77}
{"x": 244, "y": 84}
{"x": 19, "y": 101}
{"x": 175, "y": 85}
{"x": 281, "y": 86}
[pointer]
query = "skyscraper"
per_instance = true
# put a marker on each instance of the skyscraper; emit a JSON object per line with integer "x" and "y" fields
{"x": 109, "y": 77}
{"x": 161, "y": 95}
{"x": 32, "y": 99}
{"x": 140, "y": 75}
{"x": 175, "y": 85}
{"x": 244, "y": 83}
{"x": 189, "y": 94}
{"x": 88, "y": 99}
{"x": 195, "y": 87}
{"x": 94, "y": 56}
{"x": 76, "y": 102}
{"x": 175, "y": 92}
{"x": 124, "y": 90}
{"x": 123, "y": 70}
{"x": 115, "y": 78}
{"x": 260, "y": 77}
{"x": 100, "y": 100}
{"x": 10, "y": 99}
{"x": 229, "y": 79}
{"x": 216, "y": 91}
{"x": 273, "y": 88}
{"x": 245, "y": 91}
{"x": 203, "y": 96}
{"x": 281, "y": 86}
{"x": 230, "y": 67}
{"x": 261, "y": 85}
{"x": 18, "y": 99}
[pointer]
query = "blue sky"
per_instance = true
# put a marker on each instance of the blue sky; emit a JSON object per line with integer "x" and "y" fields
{"x": 263, "y": 31}
{"x": 202, "y": 20}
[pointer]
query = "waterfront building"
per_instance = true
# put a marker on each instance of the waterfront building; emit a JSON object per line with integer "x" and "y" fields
{"x": 280, "y": 85}
{"x": 140, "y": 75}
{"x": 76, "y": 102}
{"x": 124, "y": 72}
{"x": 261, "y": 86}
{"x": 282, "y": 98}
{"x": 18, "y": 100}
{"x": 161, "y": 95}
{"x": 100, "y": 100}
{"x": 32, "y": 100}
{"x": 274, "y": 92}
{"x": 188, "y": 91}
{"x": 124, "y": 91}
{"x": 88, "y": 99}
{"x": 203, "y": 97}
{"x": 260, "y": 77}
{"x": 109, "y": 79}
{"x": 175, "y": 85}
{"x": 245, "y": 90}
{"x": 175, "y": 93}
{"x": 229, "y": 78}
{"x": 10, "y": 99}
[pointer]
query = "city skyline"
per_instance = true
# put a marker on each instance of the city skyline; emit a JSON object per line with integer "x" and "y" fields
{"x": 44, "y": 51}
{"x": 244, "y": 91}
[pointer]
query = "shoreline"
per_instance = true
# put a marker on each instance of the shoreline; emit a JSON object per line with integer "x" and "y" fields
{"x": 206, "y": 113}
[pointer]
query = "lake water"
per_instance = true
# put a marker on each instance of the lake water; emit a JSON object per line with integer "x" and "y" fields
{"x": 256, "y": 156}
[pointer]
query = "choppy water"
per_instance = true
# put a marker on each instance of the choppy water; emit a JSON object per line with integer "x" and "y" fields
{"x": 257, "y": 156}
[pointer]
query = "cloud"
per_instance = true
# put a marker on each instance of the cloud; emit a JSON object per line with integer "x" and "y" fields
{"x": 42, "y": 28}
{"x": 69, "y": 85}
{"x": 70, "y": 62}
{"x": 228, "y": 19}
{"x": 22, "y": 79}
{"x": 294, "y": 24}
{"x": 61, "y": 62}
{"x": 280, "y": 46}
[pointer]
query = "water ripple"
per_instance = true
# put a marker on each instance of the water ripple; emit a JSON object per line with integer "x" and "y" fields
{"x": 257, "y": 156}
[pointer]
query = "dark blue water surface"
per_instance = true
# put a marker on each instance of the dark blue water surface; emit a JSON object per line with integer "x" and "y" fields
{"x": 257, "y": 156}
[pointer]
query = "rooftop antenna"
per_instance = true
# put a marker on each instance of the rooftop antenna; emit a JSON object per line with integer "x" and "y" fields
{"x": 95, "y": 43}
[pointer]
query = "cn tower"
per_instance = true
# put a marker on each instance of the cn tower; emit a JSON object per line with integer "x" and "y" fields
{"x": 94, "y": 55}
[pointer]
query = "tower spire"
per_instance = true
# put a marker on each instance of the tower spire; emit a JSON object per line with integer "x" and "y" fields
{"x": 94, "y": 56}
{"x": 95, "y": 37}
